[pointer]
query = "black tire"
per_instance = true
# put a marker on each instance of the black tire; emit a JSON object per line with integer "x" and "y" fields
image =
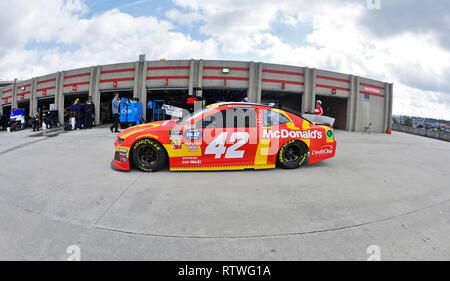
{"x": 148, "y": 155}
{"x": 292, "y": 154}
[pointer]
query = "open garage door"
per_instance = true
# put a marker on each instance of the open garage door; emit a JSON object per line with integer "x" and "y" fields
{"x": 106, "y": 98}
{"x": 44, "y": 104}
{"x": 211, "y": 95}
{"x": 25, "y": 105}
{"x": 289, "y": 101}
{"x": 6, "y": 112}
{"x": 157, "y": 97}
{"x": 335, "y": 107}
{"x": 69, "y": 99}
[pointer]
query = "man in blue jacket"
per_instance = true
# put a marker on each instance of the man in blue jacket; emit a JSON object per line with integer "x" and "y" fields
{"x": 115, "y": 111}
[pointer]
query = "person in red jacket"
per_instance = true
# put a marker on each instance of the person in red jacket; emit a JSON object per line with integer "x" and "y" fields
{"x": 318, "y": 110}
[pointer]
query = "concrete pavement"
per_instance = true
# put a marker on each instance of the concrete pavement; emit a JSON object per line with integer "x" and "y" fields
{"x": 391, "y": 191}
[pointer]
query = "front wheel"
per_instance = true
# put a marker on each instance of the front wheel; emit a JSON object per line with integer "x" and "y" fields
{"x": 148, "y": 155}
{"x": 292, "y": 154}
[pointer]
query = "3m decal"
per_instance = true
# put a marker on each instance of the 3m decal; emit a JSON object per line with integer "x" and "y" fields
{"x": 217, "y": 146}
{"x": 177, "y": 147}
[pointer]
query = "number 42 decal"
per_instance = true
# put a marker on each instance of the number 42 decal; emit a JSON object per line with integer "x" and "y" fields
{"x": 217, "y": 146}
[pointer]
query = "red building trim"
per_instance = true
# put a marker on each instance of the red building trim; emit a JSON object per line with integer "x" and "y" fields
{"x": 332, "y": 78}
{"x": 45, "y": 89}
{"x": 117, "y": 80}
{"x": 5, "y": 99}
{"x": 7, "y": 91}
{"x": 373, "y": 86}
{"x": 283, "y": 72}
{"x": 23, "y": 94}
{"x": 46, "y": 81}
{"x": 77, "y": 84}
{"x": 282, "y": 81}
{"x": 229, "y": 67}
{"x": 332, "y": 87}
{"x": 166, "y": 77}
{"x": 77, "y": 75}
{"x": 225, "y": 78}
{"x": 167, "y": 67}
{"x": 372, "y": 94}
{"x": 26, "y": 85}
{"x": 118, "y": 70}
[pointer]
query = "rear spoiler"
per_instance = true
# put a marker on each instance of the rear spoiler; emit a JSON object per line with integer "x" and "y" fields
{"x": 319, "y": 119}
{"x": 312, "y": 118}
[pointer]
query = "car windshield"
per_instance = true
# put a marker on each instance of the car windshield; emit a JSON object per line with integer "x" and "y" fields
{"x": 193, "y": 116}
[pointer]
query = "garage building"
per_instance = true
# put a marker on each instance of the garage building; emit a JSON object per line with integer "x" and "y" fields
{"x": 357, "y": 103}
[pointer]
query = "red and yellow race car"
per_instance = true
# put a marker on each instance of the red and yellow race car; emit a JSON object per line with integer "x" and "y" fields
{"x": 225, "y": 136}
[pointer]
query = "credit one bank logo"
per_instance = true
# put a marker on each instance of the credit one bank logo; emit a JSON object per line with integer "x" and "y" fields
{"x": 283, "y": 134}
{"x": 324, "y": 150}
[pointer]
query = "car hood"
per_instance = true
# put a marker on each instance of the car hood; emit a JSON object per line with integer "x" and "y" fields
{"x": 159, "y": 125}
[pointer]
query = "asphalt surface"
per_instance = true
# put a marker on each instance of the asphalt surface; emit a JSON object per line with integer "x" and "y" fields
{"x": 58, "y": 190}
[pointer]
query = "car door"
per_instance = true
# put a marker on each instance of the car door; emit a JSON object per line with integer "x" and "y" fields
{"x": 271, "y": 135}
{"x": 230, "y": 137}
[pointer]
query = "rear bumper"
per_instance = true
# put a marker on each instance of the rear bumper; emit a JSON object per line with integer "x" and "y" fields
{"x": 116, "y": 165}
{"x": 322, "y": 152}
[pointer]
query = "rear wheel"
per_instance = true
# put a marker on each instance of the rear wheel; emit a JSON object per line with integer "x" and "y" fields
{"x": 148, "y": 155}
{"x": 292, "y": 154}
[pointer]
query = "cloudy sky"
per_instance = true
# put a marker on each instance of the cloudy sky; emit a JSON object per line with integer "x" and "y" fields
{"x": 406, "y": 42}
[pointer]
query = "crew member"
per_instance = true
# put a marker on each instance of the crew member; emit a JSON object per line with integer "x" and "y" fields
{"x": 246, "y": 99}
{"x": 115, "y": 111}
{"x": 45, "y": 117}
{"x": 88, "y": 113}
{"x": 36, "y": 122}
{"x": 318, "y": 110}
{"x": 1, "y": 121}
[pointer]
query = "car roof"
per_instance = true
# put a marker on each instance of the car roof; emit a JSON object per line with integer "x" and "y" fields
{"x": 215, "y": 105}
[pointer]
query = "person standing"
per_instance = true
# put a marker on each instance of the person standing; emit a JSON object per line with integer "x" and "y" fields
{"x": 36, "y": 122}
{"x": 115, "y": 111}
{"x": 1, "y": 121}
{"x": 89, "y": 113}
{"x": 318, "y": 110}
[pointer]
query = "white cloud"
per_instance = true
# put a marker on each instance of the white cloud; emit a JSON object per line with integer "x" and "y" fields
{"x": 36, "y": 20}
{"x": 414, "y": 62}
{"x": 75, "y": 41}
{"x": 180, "y": 17}
{"x": 412, "y": 101}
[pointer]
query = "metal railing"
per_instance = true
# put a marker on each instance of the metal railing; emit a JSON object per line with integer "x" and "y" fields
{"x": 431, "y": 133}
